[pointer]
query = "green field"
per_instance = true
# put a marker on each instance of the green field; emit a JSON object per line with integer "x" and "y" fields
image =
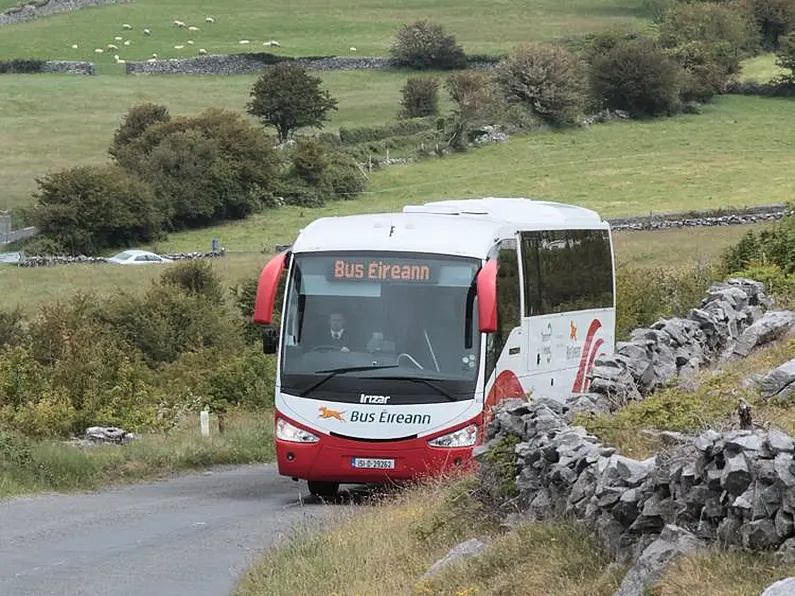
{"x": 305, "y": 27}
{"x": 49, "y": 122}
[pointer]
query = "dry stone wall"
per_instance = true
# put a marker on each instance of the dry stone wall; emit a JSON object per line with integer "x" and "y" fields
{"x": 732, "y": 320}
{"x": 41, "y": 8}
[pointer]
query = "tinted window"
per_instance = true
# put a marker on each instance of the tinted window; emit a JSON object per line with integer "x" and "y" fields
{"x": 567, "y": 270}
{"x": 508, "y": 305}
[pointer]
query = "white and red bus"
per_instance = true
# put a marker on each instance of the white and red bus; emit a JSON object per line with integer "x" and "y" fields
{"x": 446, "y": 308}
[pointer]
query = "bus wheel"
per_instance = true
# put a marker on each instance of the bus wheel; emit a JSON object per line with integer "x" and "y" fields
{"x": 323, "y": 489}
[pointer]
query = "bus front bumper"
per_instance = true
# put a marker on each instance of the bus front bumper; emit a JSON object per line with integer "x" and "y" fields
{"x": 332, "y": 459}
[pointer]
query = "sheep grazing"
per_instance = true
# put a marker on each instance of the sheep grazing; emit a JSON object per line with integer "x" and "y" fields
{"x": 74, "y": 46}
{"x": 202, "y": 51}
{"x": 99, "y": 50}
{"x": 244, "y": 41}
{"x": 126, "y": 26}
{"x": 150, "y": 60}
{"x": 179, "y": 47}
{"x": 127, "y": 42}
{"x": 147, "y": 32}
{"x": 209, "y": 20}
{"x": 110, "y": 46}
{"x": 192, "y": 28}
{"x": 154, "y": 56}
{"x": 179, "y": 24}
{"x": 118, "y": 38}
{"x": 190, "y": 42}
{"x": 275, "y": 43}
{"x": 353, "y": 49}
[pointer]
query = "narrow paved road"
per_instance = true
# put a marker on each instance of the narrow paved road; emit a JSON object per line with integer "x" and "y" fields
{"x": 190, "y": 536}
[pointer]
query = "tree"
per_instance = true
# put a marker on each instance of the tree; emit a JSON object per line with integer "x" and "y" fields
{"x": 636, "y": 76}
{"x": 137, "y": 120}
{"x": 420, "y": 97}
{"x": 207, "y": 168}
{"x": 286, "y": 97}
{"x": 549, "y": 79}
{"x": 423, "y": 45}
{"x": 88, "y": 209}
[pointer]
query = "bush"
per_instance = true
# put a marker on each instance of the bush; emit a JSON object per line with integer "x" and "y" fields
{"x": 343, "y": 178}
{"x": 205, "y": 169}
{"x": 245, "y": 380}
{"x": 785, "y": 58}
{"x": 547, "y": 78}
{"x": 197, "y": 278}
{"x": 774, "y": 19}
{"x": 638, "y": 77}
{"x": 287, "y": 98}
{"x": 475, "y": 100}
{"x": 709, "y": 23}
{"x": 135, "y": 123}
{"x": 309, "y": 160}
{"x": 12, "y": 332}
{"x": 643, "y": 295}
{"x": 420, "y": 98}
{"x": 423, "y": 45}
{"x": 704, "y": 72}
{"x": 165, "y": 323}
{"x": 89, "y": 209}
{"x": 353, "y": 136}
{"x": 773, "y": 246}
{"x": 21, "y": 66}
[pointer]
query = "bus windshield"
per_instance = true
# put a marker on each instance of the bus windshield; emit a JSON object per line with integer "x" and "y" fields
{"x": 401, "y": 325}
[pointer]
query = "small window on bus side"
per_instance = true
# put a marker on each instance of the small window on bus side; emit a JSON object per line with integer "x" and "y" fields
{"x": 508, "y": 315}
{"x": 573, "y": 270}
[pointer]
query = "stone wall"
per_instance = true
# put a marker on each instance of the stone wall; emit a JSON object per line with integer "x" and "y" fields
{"x": 735, "y": 488}
{"x": 732, "y": 320}
{"x": 51, "y": 261}
{"x": 28, "y": 11}
{"x": 69, "y": 67}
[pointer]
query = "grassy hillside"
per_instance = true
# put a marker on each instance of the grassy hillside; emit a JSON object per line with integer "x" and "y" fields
{"x": 49, "y": 122}
{"x": 305, "y": 27}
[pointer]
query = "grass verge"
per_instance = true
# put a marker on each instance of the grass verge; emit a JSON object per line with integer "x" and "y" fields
{"x": 28, "y": 467}
{"x": 387, "y": 548}
{"x": 711, "y": 405}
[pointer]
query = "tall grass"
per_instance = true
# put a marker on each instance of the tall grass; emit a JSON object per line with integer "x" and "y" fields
{"x": 28, "y": 467}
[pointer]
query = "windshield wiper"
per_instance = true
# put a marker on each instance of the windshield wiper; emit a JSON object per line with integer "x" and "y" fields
{"x": 441, "y": 391}
{"x": 333, "y": 372}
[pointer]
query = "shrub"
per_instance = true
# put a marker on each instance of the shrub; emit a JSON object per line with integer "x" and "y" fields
{"x": 89, "y": 209}
{"x": 419, "y": 98}
{"x": 287, "y": 98}
{"x": 245, "y": 293}
{"x": 343, "y": 178}
{"x": 12, "y": 331}
{"x": 245, "y": 380}
{"x": 205, "y": 169}
{"x": 774, "y": 245}
{"x": 638, "y": 77}
{"x": 643, "y": 295}
{"x": 704, "y": 72}
{"x": 197, "y": 278}
{"x": 137, "y": 120}
{"x": 21, "y": 66}
{"x": 709, "y": 23}
{"x": 309, "y": 160}
{"x": 778, "y": 284}
{"x": 547, "y": 78}
{"x": 164, "y": 323}
{"x": 472, "y": 93}
{"x": 774, "y": 19}
{"x": 785, "y": 58}
{"x": 353, "y": 136}
{"x": 423, "y": 45}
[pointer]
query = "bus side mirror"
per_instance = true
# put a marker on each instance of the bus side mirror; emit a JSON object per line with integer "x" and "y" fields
{"x": 270, "y": 340}
{"x": 487, "y": 297}
{"x": 266, "y": 289}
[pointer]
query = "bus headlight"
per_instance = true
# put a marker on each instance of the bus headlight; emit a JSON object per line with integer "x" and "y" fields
{"x": 464, "y": 437}
{"x": 287, "y": 432}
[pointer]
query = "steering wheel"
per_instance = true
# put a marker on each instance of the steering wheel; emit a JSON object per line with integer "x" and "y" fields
{"x": 325, "y": 348}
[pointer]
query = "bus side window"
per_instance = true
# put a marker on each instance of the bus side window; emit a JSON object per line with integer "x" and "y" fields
{"x": 567, "y": 270}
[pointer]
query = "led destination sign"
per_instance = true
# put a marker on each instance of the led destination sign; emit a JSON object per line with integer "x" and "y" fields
{"x": 381, "y": 270}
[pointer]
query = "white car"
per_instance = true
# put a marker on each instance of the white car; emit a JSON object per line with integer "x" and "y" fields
{"x": 137, "y": 257}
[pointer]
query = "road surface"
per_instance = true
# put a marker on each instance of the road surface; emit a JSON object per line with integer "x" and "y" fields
{"x": 190, "y": 536}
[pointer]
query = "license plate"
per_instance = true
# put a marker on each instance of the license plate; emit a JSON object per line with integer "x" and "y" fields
{"x": 373, "y": 463}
